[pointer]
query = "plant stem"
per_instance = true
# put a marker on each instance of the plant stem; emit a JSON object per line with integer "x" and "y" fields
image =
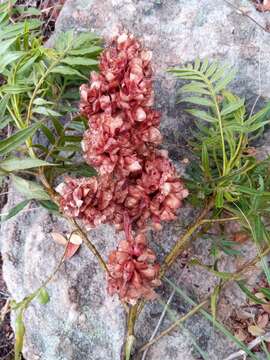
{"x": 130, "y": 338}
{"x": 89, "y": 244}
{"x": 210, "y": 221}
{"x": 184, "y": 239}
{"x": 41, "y": 80}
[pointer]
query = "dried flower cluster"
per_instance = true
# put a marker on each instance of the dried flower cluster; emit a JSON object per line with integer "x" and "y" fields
{"x": 134, "y": 271}
{"x": 138, "y": 185}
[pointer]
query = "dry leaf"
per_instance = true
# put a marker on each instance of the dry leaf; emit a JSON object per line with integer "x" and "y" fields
{"x": 76, "y": 239}
{"x": 240, "y": 237}
{"x": 252, "y": 151}
{"x": 266, "y": 308}
{"x": 263, "y": 320}
{"x": 59, "y": 238}
{"x": 73, "y": 245}
{"x": 244, "y": 315}
{"x": 255, "y": 330}
{"x": 71, "y": 250}
{"x": 260, "y": 295}
{"x": 265, "y": 6}
{"x": 240, "y": 334}
{"x": 4, "y": 310}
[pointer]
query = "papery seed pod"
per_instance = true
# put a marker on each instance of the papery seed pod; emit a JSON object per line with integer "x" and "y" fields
{"x": 117, "y": 103}
{"x": 133, "y": 271}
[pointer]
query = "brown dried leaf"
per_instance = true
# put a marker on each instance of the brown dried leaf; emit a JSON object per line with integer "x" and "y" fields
{"x": 4, "y": 310}
{"x": 244, "y": 314}
{"x": 260, "y": 295}
{"x": 241, "y": 335}
{"x": 240, "y": 237}
{"x": 263, "y": 320}
{"x": 59, "y": 238}
{"x": 266, "y": 308}
{"x": 255, "y": 330}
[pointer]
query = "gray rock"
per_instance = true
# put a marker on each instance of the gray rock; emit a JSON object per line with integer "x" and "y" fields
{"x": 81, "y": 321}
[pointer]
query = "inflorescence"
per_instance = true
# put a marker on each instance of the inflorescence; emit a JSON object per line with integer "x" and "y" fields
{"x": 137, "y": 186}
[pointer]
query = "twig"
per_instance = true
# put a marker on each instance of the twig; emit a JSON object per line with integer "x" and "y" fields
{"x": 246, "y": 15}
{"x": 251, "y": 345}
{"x": 184, "y": 239}
{"x": 206, "y": 221}
{"x": 152, "y": 338}
{"x": 5, "y": 310}
{"x": 89, "y": 244}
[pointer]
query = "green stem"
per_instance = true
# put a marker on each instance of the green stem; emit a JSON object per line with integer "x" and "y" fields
{"x": 39, "y": 84}
{"x": 219, "y": 123}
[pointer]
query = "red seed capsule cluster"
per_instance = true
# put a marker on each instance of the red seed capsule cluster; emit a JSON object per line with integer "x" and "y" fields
{"x": 137, "y": 184}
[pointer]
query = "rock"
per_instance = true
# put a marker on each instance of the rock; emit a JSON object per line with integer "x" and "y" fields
{"x": 79, "y": 318}
{"x": 81, "y": 321}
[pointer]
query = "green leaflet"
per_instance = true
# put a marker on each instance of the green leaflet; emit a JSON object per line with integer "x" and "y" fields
{"x": 49, "y": 205}
{"x": 197, "y": 101}
{"x": 29, "y": 189}
{"x": 205, "y": 160}
{"x": 74, "y": 60}
{"x": 231, "y": 107}
{"x": 16, "y": 164}
{"x": 14, "y": 30}
{"x": 3, "y": 105}
{"x": 10, "y": 57}
{"x": 15, "y": 140}
{"x": 6, "y": 44}
{"x": 29, "y": 11}
{"x": 15, "y": 89}
{"x": 45, "y": 111}
{"x": 68, "y": 71}
{"x": 15, "y": 210}
{"x": 202, "y": 115}
{"x": 86, "y": 51}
